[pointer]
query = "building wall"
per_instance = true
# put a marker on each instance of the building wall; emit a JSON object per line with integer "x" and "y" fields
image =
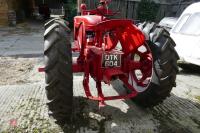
{"x": 22, "y": 9}
{"x": 5, "y": 7}
{"x": 3, "y": 12}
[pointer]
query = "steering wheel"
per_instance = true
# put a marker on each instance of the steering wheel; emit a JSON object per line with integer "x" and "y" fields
{"x": 103, "y": 3}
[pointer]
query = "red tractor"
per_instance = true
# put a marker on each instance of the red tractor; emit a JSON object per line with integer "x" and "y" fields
{"x": 143, "y": 58}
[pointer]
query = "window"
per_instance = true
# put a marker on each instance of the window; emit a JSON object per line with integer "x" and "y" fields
{"x": 189, "y": 24}
{"x": 181, "y": 22}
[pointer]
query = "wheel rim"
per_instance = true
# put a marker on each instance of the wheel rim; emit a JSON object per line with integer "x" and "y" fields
{"x": 140, "y": 77}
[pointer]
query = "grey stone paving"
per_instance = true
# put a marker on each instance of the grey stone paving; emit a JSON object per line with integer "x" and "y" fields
{"x": 23, "y": 40}
{"x": 26, "y": 104}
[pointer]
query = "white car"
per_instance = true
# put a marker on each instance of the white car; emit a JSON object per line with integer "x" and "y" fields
{"x": 168, "y": 22}
{"x": 186, "y": 34}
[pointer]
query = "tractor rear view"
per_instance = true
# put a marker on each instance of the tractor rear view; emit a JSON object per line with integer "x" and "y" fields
{"x": 143, "y": 58}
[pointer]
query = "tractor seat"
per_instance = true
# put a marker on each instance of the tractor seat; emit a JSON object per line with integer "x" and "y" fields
{"x": 88, "y": 20}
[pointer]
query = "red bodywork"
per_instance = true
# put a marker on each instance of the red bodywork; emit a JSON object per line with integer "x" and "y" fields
{"x": 95, "y": 36}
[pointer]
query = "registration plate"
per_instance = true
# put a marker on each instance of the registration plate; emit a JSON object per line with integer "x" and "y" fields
{"x": 111, "y": 60}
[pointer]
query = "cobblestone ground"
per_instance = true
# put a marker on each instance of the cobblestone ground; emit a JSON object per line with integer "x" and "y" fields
{"x": 23, "y": 108}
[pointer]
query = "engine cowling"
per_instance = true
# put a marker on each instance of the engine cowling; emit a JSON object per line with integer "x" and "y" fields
{"x": 88, "y": 20}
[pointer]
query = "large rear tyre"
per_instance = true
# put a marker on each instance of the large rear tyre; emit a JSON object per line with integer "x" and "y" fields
{"x": 164, "y": 66}
{"x": 58, "y": 71}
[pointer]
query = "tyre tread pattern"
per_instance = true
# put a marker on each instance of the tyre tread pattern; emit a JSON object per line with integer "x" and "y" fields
{"x": 58, "y": 70}
{"x": 165, "y": 65}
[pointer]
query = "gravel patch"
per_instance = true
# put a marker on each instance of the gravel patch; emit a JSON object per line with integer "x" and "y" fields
{"x": 19, "y": 70}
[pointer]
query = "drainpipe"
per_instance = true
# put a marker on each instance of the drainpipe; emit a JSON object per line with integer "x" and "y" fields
{"x": 179, "y": 5}
{"x": 78, "y": 7}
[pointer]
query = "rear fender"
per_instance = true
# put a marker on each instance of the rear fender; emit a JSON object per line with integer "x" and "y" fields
{"x": 124, "y": 31}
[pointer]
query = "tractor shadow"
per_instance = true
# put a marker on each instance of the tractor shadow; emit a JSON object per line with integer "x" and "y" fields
{"x": 188, "y": 69}
{"x": 175, "y": 114}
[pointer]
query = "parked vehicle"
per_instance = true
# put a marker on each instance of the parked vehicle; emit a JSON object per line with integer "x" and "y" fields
{"x": 168, "y": 22}
{"x": 186, "y": 34}
{"x": 146, "y": 66}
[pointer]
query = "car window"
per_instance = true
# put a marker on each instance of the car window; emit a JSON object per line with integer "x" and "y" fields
{"x": 189, "y": 24}
{"x": 181, "y": 22}
{"x": 192, "y": 26}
